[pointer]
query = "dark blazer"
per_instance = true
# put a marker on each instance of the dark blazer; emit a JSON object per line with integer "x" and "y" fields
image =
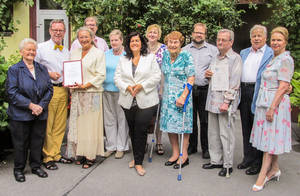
{"x": 267, "y": 57}
{"x": 23, "y": 89}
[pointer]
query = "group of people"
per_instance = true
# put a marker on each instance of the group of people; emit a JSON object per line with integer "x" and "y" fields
{"x": 143, "y": 78}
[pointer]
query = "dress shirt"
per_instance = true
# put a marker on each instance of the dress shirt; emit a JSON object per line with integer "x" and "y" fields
{"x": 93, "y": 67}
{"x": 99, "y": 42}
{"x": 51, "y": 58}
{"x": 251, "y": 65}
{"x": 202, "y": 58}
{"x": 216, "y": 98}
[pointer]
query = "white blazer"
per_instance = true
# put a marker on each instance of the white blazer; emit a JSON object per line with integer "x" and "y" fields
{"x": 147, "y": 74}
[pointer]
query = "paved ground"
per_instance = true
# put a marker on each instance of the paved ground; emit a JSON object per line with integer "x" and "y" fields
{"x": 113, "y": 177}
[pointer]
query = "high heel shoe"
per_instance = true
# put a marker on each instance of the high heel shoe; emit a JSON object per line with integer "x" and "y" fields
{"x": 275, "y": 176}
{"x": 257, "y": 188}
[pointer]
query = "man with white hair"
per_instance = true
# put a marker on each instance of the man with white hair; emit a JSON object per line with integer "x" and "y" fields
{"x": 224, "y": 73}
{"x": 255, "y": 60}
{"x": 92, "y": 23}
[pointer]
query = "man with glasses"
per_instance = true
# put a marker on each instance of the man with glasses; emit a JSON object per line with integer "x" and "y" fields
{"x": 202, "y": 53}
{"x": 51, "y": 54}
{"x": 92, "y": 23}
{"x": 224, "y": 74}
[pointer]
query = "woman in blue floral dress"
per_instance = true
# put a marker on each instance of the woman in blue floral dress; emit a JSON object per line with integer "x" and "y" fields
{"x": 178, "y": 70}
{"x": 271, "y": 132}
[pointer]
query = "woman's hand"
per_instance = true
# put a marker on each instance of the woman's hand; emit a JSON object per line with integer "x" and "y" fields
{"x": 35, "y": 109}
{"x": 130, "y": 90}
{"x": 136, "y": 89}
{"x": 180, "y": 101}
{"x": 270, "y": 114}
{"x": 78, "y": 86}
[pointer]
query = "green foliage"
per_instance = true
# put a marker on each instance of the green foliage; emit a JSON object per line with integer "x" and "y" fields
{"x": 136, "y": 15}
{"x": 295, "y": 96}
{"x": 287, "y": 13}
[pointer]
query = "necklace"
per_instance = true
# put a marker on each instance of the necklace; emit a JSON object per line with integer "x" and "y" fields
{"x": 153, "y": 47}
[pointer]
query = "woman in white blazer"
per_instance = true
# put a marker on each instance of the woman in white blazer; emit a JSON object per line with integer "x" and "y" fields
{"x": 137, "y": 77}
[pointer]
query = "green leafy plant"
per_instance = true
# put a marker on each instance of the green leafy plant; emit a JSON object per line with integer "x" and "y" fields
{"x": 295, "y": 96}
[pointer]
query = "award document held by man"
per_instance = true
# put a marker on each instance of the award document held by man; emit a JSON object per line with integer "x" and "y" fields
{"x": 72, "y": 73}
{"x": 220, "y": 77}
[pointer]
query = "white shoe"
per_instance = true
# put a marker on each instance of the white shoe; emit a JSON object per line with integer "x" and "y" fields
{"x": 275, "y": 176}
{"x": 257, "y": 188}
{"x": 108, "y": 153}
{"x": 119, "y": 154}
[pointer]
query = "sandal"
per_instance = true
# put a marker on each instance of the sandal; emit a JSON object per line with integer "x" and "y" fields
{"x": 80, "y": 161}
{"x": 88, "y": 163}
{"x": 50, "y": 165}
{"x": 65, "y": 160}
{"x": 159, "y": 149}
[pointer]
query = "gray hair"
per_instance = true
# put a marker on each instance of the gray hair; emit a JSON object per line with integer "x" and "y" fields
{"x": 231, "y": 33}
{"x": 94, "y": 18}
{"x": 57, "y": 21}
{"x": 86, "y": 29}
{"x": 257, "y": 26}
{"x": 116, "y": 32}
{"x": 25, "y": 42}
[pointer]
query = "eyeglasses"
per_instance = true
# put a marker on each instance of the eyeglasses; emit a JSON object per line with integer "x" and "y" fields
{"x": 199, "y": 33}
{"x": 57, "y": 30}
{"x": 91, "y": 25}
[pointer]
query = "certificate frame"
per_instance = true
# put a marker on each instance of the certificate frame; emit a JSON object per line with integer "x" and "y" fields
{"x": 66, "y": 73}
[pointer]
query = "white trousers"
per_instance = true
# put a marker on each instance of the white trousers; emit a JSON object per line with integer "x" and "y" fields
{"x": 220, "y": 139}
{"x": 115, "y": 124}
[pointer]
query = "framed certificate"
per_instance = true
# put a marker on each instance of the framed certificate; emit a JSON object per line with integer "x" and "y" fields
{"x": 220, "y": 78}
{"x": 72, "y": 73}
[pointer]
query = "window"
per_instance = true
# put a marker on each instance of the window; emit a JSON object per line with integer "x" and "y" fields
{"x": 6, "y": 14}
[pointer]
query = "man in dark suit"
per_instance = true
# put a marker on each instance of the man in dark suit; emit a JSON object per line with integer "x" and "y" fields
{"x": 255, "y": 60}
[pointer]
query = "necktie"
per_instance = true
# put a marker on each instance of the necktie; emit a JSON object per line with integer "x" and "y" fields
{"x": 60, "y": 47}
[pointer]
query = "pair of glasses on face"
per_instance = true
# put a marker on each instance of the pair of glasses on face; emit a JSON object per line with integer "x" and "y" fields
{"x": 57, "y": 30}
{"x": 223, "y": 40}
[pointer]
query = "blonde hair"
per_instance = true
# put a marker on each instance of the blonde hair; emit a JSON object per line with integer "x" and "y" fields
{"x": 200, "y": 25}
{"x": 150, "y": 27}
{"x": 174, "y": 35}
{"x": 283, "y": 31}
{"x": 116, "y": 32}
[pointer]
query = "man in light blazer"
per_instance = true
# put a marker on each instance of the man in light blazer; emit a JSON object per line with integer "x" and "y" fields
{"x": 255, "y": 60}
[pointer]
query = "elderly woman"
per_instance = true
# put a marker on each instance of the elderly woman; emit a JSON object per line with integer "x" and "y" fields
{"x": 137, "y": 77}
{"x": 271, "y": 132}
{"x": 178, "y": 70}
{"x": 85, "y": 137}
{"x": 29, "y": 92}
{"x": 153, "y": 34}
{"x": 115, "y": 125}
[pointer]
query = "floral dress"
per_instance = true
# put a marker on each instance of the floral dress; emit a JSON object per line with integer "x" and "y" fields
{"x": 273, "y": 137}
{"x": 176, "y": 76}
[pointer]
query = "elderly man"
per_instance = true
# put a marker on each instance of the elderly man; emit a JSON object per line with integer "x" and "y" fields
{"x": 202, "y": 53}
{"x": 222, "y": 101}
{"x": 51, "y": 54}
{"x": 92, "y": 23}
{"x": 255, "y": 59}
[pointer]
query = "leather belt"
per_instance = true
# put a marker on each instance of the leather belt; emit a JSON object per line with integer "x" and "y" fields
{"x": 250, "y": 84}
{"x": 58, "y": 84}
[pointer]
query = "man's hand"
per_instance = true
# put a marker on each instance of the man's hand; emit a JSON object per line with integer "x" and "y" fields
{"x": 224, "y": 107}
{"x": 208, "y": 73}
{"x": 54, "y": 75}
{"x": 35, "y": 109}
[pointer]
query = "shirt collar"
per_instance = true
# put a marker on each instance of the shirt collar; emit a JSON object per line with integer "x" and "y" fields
{"x": 203, "y": 46}
{"x": 228, "y": 54}
{"x": 260, "y": 50}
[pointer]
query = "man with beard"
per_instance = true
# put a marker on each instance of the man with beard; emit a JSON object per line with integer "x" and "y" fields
{"x": 202, "y": 53}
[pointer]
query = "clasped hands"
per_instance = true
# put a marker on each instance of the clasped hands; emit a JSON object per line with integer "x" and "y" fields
{"x": 35, "y": 109}
{"x": 134, "y": 90}
{"x": 78, "y": 86}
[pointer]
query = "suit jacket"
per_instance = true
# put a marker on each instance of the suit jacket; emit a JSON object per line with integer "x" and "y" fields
{"x": 267, "y": 57}
{"x": 23, "y": 89}
{"x": 147, "y": 74}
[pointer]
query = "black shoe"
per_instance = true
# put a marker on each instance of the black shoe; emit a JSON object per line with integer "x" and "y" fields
{"x": 39, "y": 172}
{"x": 243, "y": 165}
{"x": 211, "y": 166}
{"x": 187, "y": 161}
{"x": 252, "y": 171}
{"x": 191, "y": 150}
{"x": 169, "y": 163}
{"x": 205, "y": 155}
{"x": 223, "y": 171}
{"x": 19, "y": 176}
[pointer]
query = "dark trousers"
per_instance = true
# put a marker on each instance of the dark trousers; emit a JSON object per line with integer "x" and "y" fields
{"x": 251, "y": 154}
{"x": 138, "y": 120}
{"x": 28, "y": 135}
{"x": 199, "y": 101}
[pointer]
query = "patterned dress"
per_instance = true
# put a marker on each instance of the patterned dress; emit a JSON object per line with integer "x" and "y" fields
{"x": 176, "y": 76}
{"x": 273, "y": 137}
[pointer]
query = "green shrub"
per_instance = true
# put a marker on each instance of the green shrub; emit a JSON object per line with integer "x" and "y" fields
{"x": 295, "y": 96}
